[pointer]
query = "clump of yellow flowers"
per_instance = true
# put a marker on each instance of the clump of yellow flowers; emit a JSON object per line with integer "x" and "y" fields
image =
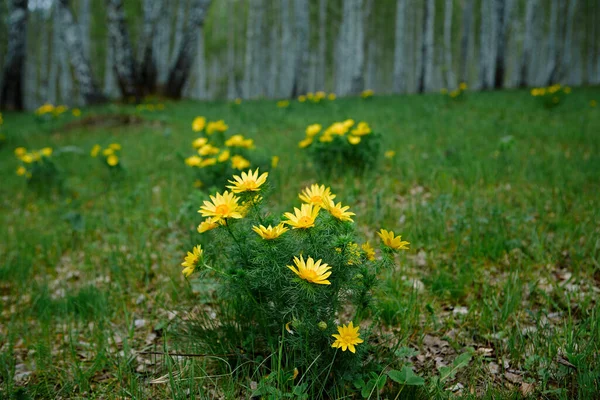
{"x": 110, "y": 156}
{"x": 38, "y": 167}
{"x": 316, "y": 98}
{"x": 551, "y": 96}
{"x": 456, "y": 94}
{"x": 344, "y": 145}
{"x": 298, "y": 283}
{"x": 217, "y": 156}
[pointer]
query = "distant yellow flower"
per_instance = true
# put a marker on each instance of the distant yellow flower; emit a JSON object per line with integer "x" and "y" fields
{"x": 46, "y": 151}
{"x": 112, "y": 160}
{"x": 331, "y": 96}
{"x": 367, "y": 93}
{"x": 567, "y": 90}
{"x": 221, "y": 206}
{"x": 238, "y": 162}
{"x": 198, "y": 124}
{"x": 236, "y": 141}
{"x": 76, "y": 112}
{"x": 198, "y": 183}
{"x": 304, "y": 143}
{"x": 21, "y": 171}
{"x": 248, "y": 182}
{"x": 349, "y": 123}
{"x": 60, "y": 109}
{"x": 207, "y": 225}
{"x": 340, "y": 212}
{"x": 394, "y": 242}
{"x": 270, "y": 233}
{"x": 283, "y": 103}
{"x": 593, "y": 103}
{"x": 200, "y": 142}
{"x": 463, "y": 86}
{"x": 389, "y": 154}
{"x": 95, "y": 150}
{"x": 325, "y": 138}
{"x": 542, "y": 91}
{"x": 115, "y": 146}
{"x": 361, "y": 129}
{"x": 369, "y": 251}
{"x": 207, "y": 162}
{"x": 338, "y": 128}
{"x": 208, "y": 149}
{"x": 274, "y": 161}
{"x": 454, "y": 93}
{"x": 44, "y": 109}
{"x": 313, "y": 129}
{"x": 304, "y": 217}
{"x": 353, "y": 139}
{"x": 301, "y": 98}
{"x": 224, "y": 156}
{"x": 193, "y": 161}
{"x": 191, "y": 260}
{"x": 317, "y": 195}
{"x": 310, "y": 95}
{"x": 28, "y": 158}
{"x": 20, "y": 151}
{"x": 216, "y": 126}
{"x": 107, "y": 152}
{"x": 160, "y": 106}
{"x": 248, "y": 143}
{"x": 347, "y": 337}
{"x": 311, "y": 271}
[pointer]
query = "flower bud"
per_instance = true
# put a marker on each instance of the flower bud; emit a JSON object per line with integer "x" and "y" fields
{"x": 322, "y": 325}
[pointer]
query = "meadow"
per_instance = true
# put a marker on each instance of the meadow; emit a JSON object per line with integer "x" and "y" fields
{"x": 497, "y": 296}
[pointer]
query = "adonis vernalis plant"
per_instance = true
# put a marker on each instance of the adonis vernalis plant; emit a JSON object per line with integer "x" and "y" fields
{"x": 343, "y": 146}
{"x": 298, "y": 286}
{"x": 39, "y": 169}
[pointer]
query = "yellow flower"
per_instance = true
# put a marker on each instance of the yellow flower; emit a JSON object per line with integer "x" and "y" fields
{"x": 21, "y": 171}
{"x": 60, "y": 109}
{"x": 112, "y": 160}
{"x": 534, "y": 92}
{"x": 238, "y": 101}
{"x": 20, "y": 151}
{"x": 274, "y": 161}
{"x": 301, "y": 98}
{"x": 198, "y": 183}
{"x": 338, "y": 128}
{"x": 207, "y": 225}
{"x": 340, "y": 212}
{"x": 270, "y": 232}
{"x": 463, "y": 86}
{"x": 317, "y": 195}
{"x": 248, "y": 143}
{"x": 222, "y": 206}
{"x": 311, "y": 271}
{"x": 313, "y": 129}
{"x": 193, "y": 161}
{"x": 567, "y": 90}
{"x": 191, "y": 260}
{"x": 46, "y": 151}
{"x": 235, "y": 141}
{"x": 115, "y": 146}
{"x": 283, "y": 103}
{"x": 394, "y": 242}
{"x": 390, "y": 154}
{"x": 217, "y": 126}
{"x": 239, "y": 162}
{"x": 208, "y": 149}
{"x": 542, "y": 91}
{"x": 454, "y": 93}
{"x": 200, "y": 142}
{"x": 207, "y": 162}
{"x": 310, "y": 95}
{"x": 331, "y": 96}
{"x": 361, "y": 129}
{"x": 304, "y": 217}
{"x": 108, "y": 152}
{"x": 248, "y": 182}
{"x": 353, "y": 139}
{"x": 28, "y": 158}
{"x": 224, "y": 156}
{"x": 95, "y": 150}
{"x": 198, "y": 124}
{"x": 367, "y": 93}
{"x": 304, "y": 143}
{"x": 347, "y": 337}
{"x": 44, "y": 109}
{"x": 326, "y": 138}
{"x": 369, "y": 251}
{"x": 593, "y": 103}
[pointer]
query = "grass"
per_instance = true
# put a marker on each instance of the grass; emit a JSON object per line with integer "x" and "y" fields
{"x": 497, "y": 195}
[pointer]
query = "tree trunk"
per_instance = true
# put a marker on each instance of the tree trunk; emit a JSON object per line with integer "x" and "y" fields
{"x": 124, "y": 62}
{"x": 450, "y": 78}
{"x": 110, "y": 89}
{"x": 552, "y": 53}
{"x": 566, "y": 64}
{"x": 179, "y": 28}
{"x": 54, "y": 59}
{"x": 147, "y": 69}
{"x": 528, "y": 42}
{"x": 187, "y": 51}
{"x": 399, "y": 78}
{"x": 464, "y": 41}
{"x": 85, "y": 25}
{"x": 301, "y": 29}
{"x": 427, "y": 49}
{"x": 163, "y": 42}
{"x": 231, "y": 24}
{"x": 287, "y": 64}
{"x": 252, "y": 27}
{"x": 322, "y": 51}
{"x": 272, "y": 78}
{"x": 200, "y": 92}
{"x": 11, "y": 95}
{"x": 81, "y": 66}
{"x": 503, "y": 11}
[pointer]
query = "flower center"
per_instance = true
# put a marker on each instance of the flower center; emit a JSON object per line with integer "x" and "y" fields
{"x": 316, "y": 199}
{"x": 305, "y": 221}
{"x": 222, "y": 209}
{"x": 310, "y": 275}
{"x": 250, "y": 185}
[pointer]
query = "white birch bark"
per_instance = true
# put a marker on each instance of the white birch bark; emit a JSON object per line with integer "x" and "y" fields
{"x": 85, "y": 24}
{"x": 179, "y": 27}
{"x": 567, "y": 58}
{"x": 528, "y": 43}
{"x": 590, "y": 53}
{"x": 503, "y": 11}
{"x": 249, "y": 57}
{"x": 54, "y": 58}
{"x": 427, "y": 48}
{"x": 273, "y": 46}
{"x": 200, "y": 92}
{"x": 400, "y": 62}
{"x": 301, "y": 29}
{"x": 552, "y": 52}
{"x": 450, "y": 78}
{"x": 322, "y": 50}
{"x": 231, "y": 24}
{"x": 110, "y": 84}
{"x": 163, "y": 42}
{"x": 287, "y": 53}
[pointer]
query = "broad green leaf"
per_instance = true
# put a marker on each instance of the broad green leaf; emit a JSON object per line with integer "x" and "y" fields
{"x": 406, "y": 376}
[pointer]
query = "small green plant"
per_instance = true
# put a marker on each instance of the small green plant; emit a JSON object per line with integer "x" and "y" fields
{"x": 38, "y": 167}
{"x": 456, "y": 95}
{"x": 342, "y": 146}
{"x": 551, "y": 96}
{"x": 109, "y": 156}
{"x": 299, "y": 287}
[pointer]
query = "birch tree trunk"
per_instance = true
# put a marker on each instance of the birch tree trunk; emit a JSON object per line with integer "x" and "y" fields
{"x": 200, "y": 92}
{"x": 465, "y": 39}
{"x": 249, "y": 55}
{"x": 272, "y": 78}
{"x": 552, "y": 53}
{"x": 450, "y": 78}
{"x": 590, "y": 54}
{"x": 399, "y": 78}
{"x": 287, "y": 53}
{"x": 54, "y": 58}
{"x": 187, "y": 51}
{"x": 163, "y": 43}
{"x": 503, "y": 11}
{"x": 427, "y": 49}
{"x": 178, "y": 33}
{"x": 85, "y": 25}
{"x": 322, "y": 52}
{"x": 11, "y": 94}
{"x": 124, "y": 62}
{"x": 147, "y": 69}
{"x": 301, "y": 29}
{"x": 231, "y": 92}
{"x": 526, "y": 58}
{"x": 110, "y": 89}
{"x": 568, "y": 43}
{"x": 45, "y": 43}
{"x": 81, "y": 66}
